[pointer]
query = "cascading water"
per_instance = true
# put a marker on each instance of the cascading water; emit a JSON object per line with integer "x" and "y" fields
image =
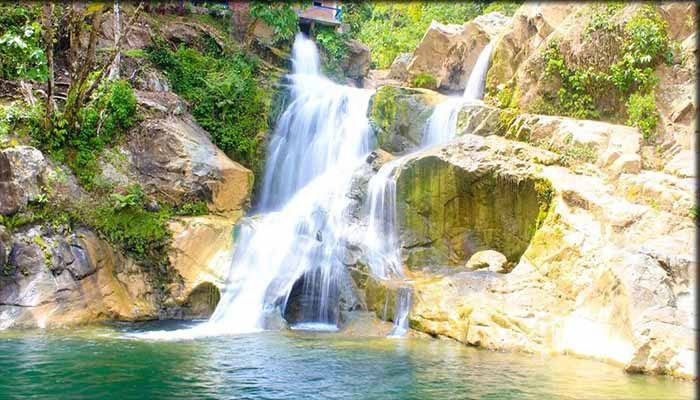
{"x": 381, "y": 241}
{"x": 477, "y": 78}
{"x": 320, "y": 140}
{"x": 442, "y": 124}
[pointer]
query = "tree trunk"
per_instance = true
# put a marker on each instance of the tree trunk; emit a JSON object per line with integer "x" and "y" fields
{"x": 114, "y": 69}
{"x": 48, "y": 48}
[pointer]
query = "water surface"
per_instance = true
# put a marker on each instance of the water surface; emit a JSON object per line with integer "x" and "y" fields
{"x": 104, "y": 363}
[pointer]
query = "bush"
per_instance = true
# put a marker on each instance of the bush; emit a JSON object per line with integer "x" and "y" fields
{"x": 424, "y": 80}
{"x": 108, "y": 115}
{"x": 334, "y": 45}
{"x": 587, "y": 89}
{"x": 226, "y": 99}
{"x": 21, "y": 52}
{"x": 642, "y": 113}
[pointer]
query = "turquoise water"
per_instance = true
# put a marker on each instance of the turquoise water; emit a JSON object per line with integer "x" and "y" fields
{"x": 100, "y": 363}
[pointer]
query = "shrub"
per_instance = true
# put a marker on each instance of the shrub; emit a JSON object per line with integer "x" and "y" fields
{"x": 334, "y": 45}
{"x": 109, "y": 114}
{"x": 642, "y": 113}
{"x": 573, "y": 98}
{"x": 424, "y": 80}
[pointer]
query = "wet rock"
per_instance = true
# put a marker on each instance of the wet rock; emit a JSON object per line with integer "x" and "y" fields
{"x": 451, "y": 206}
{"x": 202, "y": 251}
{"x": 3, "y": 256}
{"x": 399, "y": 116}
{"x": 12, "y": 197}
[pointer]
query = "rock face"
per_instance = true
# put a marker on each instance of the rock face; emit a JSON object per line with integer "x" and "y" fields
{"x": 56, "y": 279}
{"x": 175, "y": 157}
{"x": 517, "y": 72}
{"x": 489, "y": 259}
{"x": 399, "y": 67}
{"x": 449, "y": 52}
{"x": 355, "y": 63}
{"x": 606, "y": 270}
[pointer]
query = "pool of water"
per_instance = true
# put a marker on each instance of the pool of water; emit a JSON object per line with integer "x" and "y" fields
{"x": 108, "y": 363}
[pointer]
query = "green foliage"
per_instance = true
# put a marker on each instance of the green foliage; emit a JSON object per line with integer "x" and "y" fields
{"x": 192, "y": 208}
{"x": 504, "y": 7}
{"x": 283, "y": 20}
{"x": 226, "y": 100}
{"x": 642, "y": 114}
{"x": 140, "y": 233}
{"x": 133, "y": 198}
{"x": 570, "y": 153}
{"x": 334, "y": 45}
{"x": 424, "y": 80}
{"x": 393, "y": 28}
{"x": 601, "y": 18}
{"x": 21, "y": 52}
{"x": 584, "y": 89}
{"x": 110, "y": 113}
{"x": 573, "y": 98}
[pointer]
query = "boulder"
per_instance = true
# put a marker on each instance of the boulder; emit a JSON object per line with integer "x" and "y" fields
{"x": 63, "y": 280}
{"x": 531, "y": 24}
{"x": 29, "y": 169}
{"x": 12, "y": 197}
{"x": 355, "y": 63}
{"x": 202, "y": 251}
{"x": 175, "y": 158}
{"x": 451, "y": 207}
{"x": 462, "y": 56}
{"x": 449, "y": 52}
{"x": 399, "y": 67}
{"x": 399, "y": 115}
{"x": 433, "y": 48}
{"x": 488, "y": 259}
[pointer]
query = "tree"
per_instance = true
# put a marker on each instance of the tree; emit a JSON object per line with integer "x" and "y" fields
{"x": 82, "y": 82}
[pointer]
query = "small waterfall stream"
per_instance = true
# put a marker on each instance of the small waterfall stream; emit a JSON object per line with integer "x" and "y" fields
{"x": 384, "y": 255}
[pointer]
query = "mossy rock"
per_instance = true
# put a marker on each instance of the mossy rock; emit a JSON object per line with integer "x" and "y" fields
{"x": 398, "y": 116}
{"x": 447, "y": 213}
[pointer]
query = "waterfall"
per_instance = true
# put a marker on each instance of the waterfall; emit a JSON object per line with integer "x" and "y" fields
{"x": 442, "y": 124}
{"x": 477, "y": 78}
{"x": 297, "y": 242}
{"x": 320, "y": 139}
